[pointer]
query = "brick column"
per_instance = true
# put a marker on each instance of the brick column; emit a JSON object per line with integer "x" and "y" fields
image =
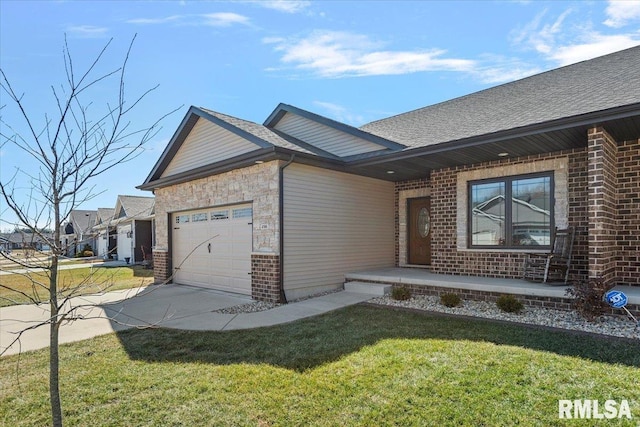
{"x": 602, "y": 196}
{"x": 265, "y": 277}
{"x": 161, "y": 270}
{"x": 628, "y": 266}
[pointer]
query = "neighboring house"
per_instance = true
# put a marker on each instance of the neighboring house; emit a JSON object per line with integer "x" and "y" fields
{"x": 77, "y": 232}
{"x": 287, "y": 208}
{"x": 106, "y": 233}
{"x": 24, "y": 240}
{"x": 133, "y": 221}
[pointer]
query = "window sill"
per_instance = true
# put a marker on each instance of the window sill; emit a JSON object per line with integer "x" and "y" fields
{"x": 500, "y": 250}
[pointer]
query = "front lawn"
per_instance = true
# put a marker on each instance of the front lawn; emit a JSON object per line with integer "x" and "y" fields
{"x": 360, "y": 366}
{"x": 92, "y": 280}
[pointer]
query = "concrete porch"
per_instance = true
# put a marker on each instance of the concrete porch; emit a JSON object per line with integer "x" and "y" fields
{"x": 423, "y": 282}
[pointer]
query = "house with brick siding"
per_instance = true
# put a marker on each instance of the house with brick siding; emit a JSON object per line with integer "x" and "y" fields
{"x": 466, "y": 187}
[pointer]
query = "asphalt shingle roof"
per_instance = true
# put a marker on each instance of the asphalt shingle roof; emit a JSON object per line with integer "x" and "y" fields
{"x": 259, "y": 131}
{"x": 137, "y": 206}
{"x": 83, "y": 219}
{"x": 105, "y": 215}
{"x": 590, "y": 86}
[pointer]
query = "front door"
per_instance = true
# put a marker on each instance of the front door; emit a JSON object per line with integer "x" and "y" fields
{"x": 419, "y": 224}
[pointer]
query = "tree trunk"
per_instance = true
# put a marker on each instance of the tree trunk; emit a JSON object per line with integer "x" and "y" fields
{"x": 54, "y": 322}
{"x": 54, "y": 384}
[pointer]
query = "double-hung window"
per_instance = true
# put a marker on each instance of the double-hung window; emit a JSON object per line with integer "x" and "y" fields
{"x": 511, "y": 212}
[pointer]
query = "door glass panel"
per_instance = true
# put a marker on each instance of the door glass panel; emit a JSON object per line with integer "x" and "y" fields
{"x": 218, "y": 215}
{"x": 181, "y": 219}
{"x": 242, "y": 213}
{"x": 199, "y": 217}
{"x": 424, "y": 222}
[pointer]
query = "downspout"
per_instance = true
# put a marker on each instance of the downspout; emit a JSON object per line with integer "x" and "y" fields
{"x": 283, "y": 298}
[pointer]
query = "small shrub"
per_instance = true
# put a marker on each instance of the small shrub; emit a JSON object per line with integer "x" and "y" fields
{"x": 450, "y": 300}
{"x": 400, "y": 293}
{"x": 509, "y": 304}
{"x": 588, "y": 297}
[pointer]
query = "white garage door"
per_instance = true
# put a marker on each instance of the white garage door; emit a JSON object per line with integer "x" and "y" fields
{"x": 212, "y": 248}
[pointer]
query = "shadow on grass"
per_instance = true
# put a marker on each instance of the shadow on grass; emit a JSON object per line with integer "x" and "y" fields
{"x": 315, "y": 341}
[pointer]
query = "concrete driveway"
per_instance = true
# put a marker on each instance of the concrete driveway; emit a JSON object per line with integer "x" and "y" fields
{"x": 168, "y": 306}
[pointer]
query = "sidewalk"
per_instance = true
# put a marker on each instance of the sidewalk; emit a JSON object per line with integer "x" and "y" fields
{"x": 167, "y": 306}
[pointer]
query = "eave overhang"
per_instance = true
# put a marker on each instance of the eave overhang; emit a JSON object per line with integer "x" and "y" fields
{"x": 623, "y": 123}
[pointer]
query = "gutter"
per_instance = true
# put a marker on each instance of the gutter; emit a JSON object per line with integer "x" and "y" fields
{"x": 283, "y": 298}
{"x": 586, "y": 119}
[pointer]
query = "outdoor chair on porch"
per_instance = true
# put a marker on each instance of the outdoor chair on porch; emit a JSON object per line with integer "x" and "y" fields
{"x": 553, "y": 266}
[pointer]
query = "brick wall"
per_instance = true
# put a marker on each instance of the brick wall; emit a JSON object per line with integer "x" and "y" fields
{"x": 602, "y": 188}
{"x": 161, "y": 266}
{"x": 265, "y": 277}
{"x": 449, "y": 218}
{"x": 628, "y": 238}
{"x": 578, "y": 214}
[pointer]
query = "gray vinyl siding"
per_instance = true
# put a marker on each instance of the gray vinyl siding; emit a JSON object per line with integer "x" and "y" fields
{"x": 334, "y": 223}
{"x": 207, "y": 143}
{"x": 324, "y": 137}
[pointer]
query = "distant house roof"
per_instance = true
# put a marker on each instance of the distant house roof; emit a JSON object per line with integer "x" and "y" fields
{"x": 19, "y": 237}
{"x": 105, "y": 215}
{"x": 80, "y": 221}
{"x": 134, "y": 207}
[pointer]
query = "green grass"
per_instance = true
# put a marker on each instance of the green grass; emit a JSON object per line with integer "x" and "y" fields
{"x": 92, "y": 280}
{"x": 360, "y": 366}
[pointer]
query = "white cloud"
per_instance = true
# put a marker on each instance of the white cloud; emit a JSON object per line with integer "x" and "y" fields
{"x": 224, "y": 19}
{"x": 566, "y": 43}
{"x": 622, "y": 12}
{"x": 495, "y": 70}
{"x": 539, "y": 36}
{"x": 220, "y": 19}
{"x": 287, "y": 6}
{"x": 145, "y": 21}
{"x": 345, "y": 54}
{"x": 340, "y": 113}
{"x": 596, "y": 45}
{"x": 87, "y": 31}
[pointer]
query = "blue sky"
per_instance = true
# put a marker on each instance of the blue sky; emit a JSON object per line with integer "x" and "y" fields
{"x": 353, "y": 61}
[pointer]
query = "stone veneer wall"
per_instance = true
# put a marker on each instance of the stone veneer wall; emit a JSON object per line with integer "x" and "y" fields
{"x": 257, "y": 184}
{"x": 628, "y": 264}
{"x": 447, "y": 255}
{"x": 602, "y": 197}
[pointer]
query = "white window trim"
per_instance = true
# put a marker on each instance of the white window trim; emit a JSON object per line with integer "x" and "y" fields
{"x": 560, "y": 167}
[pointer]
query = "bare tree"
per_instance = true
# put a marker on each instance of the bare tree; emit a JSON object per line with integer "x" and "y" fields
{"x": 77, "y": 143}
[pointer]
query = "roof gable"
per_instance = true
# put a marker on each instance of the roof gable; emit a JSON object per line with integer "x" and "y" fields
{"x": 242, "y": 137}
{"x": 207, "y": 143}
{"x": 104, "y": 215}
{"x": 336, "y": 138}
{"x": 82, "y": 220}
{"x": 132, "y": 207}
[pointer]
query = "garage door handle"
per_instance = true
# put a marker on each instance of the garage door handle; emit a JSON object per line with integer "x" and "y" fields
{"x": 209, "y": 247}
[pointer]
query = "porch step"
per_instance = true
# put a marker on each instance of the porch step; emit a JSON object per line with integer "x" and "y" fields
{"x": 367, "y": 288}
